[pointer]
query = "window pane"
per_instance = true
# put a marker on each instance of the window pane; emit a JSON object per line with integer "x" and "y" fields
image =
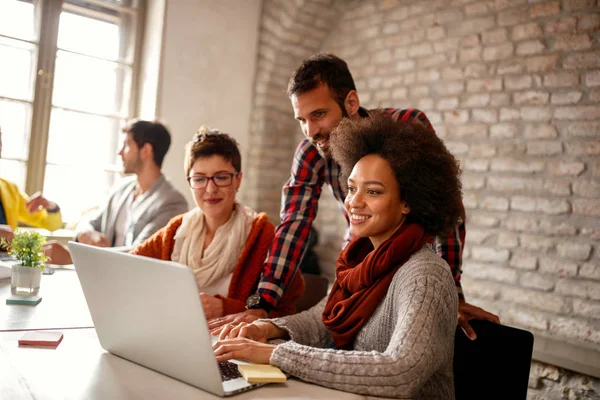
{"x": 89, "y": 36}
{"x": 17, "y": 19}
{"x": 15, "y": 75}
{"x": 96, "y": 139}
{"x": 13, "y": 171}
{"x": 76, "y": 189}
{"x": 15, "y": 120}
{"x": 88, "y": 84}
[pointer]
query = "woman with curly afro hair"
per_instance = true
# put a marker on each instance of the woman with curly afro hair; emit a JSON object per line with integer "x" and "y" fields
{"x": 387, "y": 327}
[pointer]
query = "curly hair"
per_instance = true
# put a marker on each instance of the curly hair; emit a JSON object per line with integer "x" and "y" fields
{"x": 427, "y": 174}
{"x": 208, "y": 142}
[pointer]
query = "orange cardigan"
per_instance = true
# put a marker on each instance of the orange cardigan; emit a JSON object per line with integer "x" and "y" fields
{"x": 247, "y": 271}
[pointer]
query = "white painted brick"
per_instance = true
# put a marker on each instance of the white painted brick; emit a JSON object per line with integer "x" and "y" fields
{"x": 494, "y": 36}
{"x": 503, "y": 131}
{"x": 539, "y": 300}
{"x": 523, "y": 261}
{"x": 523, "y": 203}
{"x": 557, "y": 187}
{"x": 590, "y": 270}
{"x": 540, "y": 131}
{"x": 500, "y": 99}
{"x": 561, "y": 79}
{"x": 456, "y": 116}
{"x": 552, "y": 206}
{"x": 470, "y": 200}
{"x": 529, "y": 113}
{"x": 470, "y": 131}
{"x": 583, "y": 148}
{"x": 508, "y": 240}
{"x": 536, "y": 281}
{"x": 476, "y": 70}
{"x": 572, "y": 42}
{"x": 510, "y": 114}
{"x": 509, "y": 184}
{"x": 522, "y": 317}
{"x": 489, "y": 272}
{"x": 562, "y": 98}
{"x": 587, "y": 188}
{"x": 584, "y": 129}
{"x": 511, "y": 148}
{"x": 503, "y": 164}
{"x": 448, "y": 103}
{"x": 589, "y": 207}
{"x": 567, "y": 24}
{"x": 473, "y": 182}
{"x": 484, "y": 220}
{"x": 544, "y": 148}
{"x": 574, "y": 251}
{"x": 494, "y": 203}
{"x": 517, "y": 82}
{"x": 511, "y": 66}
{"x": 526, "y": 31}
{"x": 530, "y": 47}
{"x": 577, "y": 112}
{"x": 478, "y": 236}
{"x": 581, "y": 60}
{"x": 521, "y": 224}
{"x": 482, "y": 289}
{"x": 579, "y": 288}
{"x": 477, "y": 100}
{"x": 531, "y": 97}
{"x": 484, "y": 115}
{"x": 588, "y": 309}
{"x": 551, "y": 265}
{"x": 536, "y": 243}
{"x": 566, "y": 168}
{"x": 541, "y": 63}
{"x": 476, "y": 165}
{"x": 569, "y": 327}
{"x": 482, "y": 150}
{"x": 488, "y": 85}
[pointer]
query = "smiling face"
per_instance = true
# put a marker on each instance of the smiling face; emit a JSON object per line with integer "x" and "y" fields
{"x": 373, "y": 201}
{"x": 215, "y": 201}
{"x": 318, "y": 113}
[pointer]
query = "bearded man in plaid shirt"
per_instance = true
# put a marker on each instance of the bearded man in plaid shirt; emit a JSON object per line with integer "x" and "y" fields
{"x": 322, "y": 92}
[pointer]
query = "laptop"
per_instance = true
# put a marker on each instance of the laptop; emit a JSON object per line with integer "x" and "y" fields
{"x": 494, "y": 366}
{"x": 148, "y": 311}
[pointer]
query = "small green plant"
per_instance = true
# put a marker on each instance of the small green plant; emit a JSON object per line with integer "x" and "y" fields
{"x": 26, "y": 247}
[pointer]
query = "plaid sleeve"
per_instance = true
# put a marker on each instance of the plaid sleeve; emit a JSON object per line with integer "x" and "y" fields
{"x": 299, "y": 203}
{"x": 449, "y": 247}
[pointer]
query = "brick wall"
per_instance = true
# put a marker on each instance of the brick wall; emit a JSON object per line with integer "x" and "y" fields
{"x": 512, "y": 86}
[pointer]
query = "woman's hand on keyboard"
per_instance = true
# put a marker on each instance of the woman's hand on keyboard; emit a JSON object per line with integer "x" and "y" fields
{"x": 243, "y": 349}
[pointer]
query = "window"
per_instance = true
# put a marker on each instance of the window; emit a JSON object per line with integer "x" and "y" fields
{"x": 65, "y": 92}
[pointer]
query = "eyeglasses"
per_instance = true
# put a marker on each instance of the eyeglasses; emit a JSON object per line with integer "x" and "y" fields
{"x": 222, "y": 179}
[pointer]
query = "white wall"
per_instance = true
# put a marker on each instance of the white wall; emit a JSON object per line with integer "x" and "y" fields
{"x": 207, "y": 73}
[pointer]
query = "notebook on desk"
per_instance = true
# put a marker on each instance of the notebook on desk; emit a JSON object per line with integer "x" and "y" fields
{"x": 148, "y": 311}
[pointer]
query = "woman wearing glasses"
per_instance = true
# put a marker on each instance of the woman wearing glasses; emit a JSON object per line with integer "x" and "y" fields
{"x": 222, "y": 241}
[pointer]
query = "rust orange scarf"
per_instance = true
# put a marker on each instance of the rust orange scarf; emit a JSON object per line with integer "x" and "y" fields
{"x": 363, "y": 277}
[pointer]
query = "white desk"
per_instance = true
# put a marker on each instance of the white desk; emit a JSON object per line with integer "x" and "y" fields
{"x": 80, "y": 369}
{"x": 63, "y": 305}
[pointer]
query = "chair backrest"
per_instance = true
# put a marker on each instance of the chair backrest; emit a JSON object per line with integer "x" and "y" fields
{"x": 495, "y": 365}
{"x": 315, "y": 288}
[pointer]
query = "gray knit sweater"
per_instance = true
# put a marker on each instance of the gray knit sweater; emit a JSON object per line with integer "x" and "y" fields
{"x": 405, "y": 350}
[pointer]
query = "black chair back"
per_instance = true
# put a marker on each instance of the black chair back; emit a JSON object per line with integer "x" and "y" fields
{"x": 495, "y": 366}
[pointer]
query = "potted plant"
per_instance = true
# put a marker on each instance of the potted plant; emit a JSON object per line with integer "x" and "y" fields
{"x": 26, "y": 274}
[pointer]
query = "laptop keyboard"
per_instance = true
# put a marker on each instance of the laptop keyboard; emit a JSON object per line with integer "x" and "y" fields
{"x": 229, "y": 371}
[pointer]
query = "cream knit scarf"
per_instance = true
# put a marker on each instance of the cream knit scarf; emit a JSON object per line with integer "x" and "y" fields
{"x": 222, "y": 254}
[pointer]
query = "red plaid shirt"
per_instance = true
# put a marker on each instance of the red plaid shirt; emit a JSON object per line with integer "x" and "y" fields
{"x": 300, "y": 197}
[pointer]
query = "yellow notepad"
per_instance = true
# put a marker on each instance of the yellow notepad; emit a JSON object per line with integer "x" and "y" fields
{"x": 261, "y": 373}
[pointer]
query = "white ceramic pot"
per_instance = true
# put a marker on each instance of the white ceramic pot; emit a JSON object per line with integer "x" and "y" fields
{"x": 25, "y": 281}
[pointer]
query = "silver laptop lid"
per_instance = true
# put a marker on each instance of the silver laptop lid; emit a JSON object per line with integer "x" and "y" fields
{"x": 149, "y": 312}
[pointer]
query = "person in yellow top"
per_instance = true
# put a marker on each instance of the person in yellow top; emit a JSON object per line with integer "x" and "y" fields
{"x": 16, "y": 207}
